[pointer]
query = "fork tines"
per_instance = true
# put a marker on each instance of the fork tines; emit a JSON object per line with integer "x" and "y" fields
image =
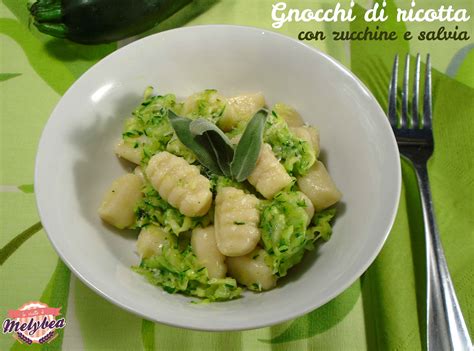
{"x": 405, "y": 122}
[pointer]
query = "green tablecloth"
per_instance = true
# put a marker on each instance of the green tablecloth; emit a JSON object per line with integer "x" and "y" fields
{"x": 383, "y": 310}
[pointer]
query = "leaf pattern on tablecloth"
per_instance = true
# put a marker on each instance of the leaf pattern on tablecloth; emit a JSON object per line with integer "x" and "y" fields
{"x": 17, "y": 241}
{"x": 148, "y": 335}
{"x": 27, "y": 188}
{"x": 321, "y": 319}
{"x": 7, "y": 76}
{"x": 53, "y": 72}
{"x": 461, "y": 66}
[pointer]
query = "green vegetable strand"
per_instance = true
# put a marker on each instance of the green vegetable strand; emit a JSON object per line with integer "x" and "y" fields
{"x": 179, "y": 271}
{"x": 295, "y": 154}
{"x": 284, "y": 233}
{"x": 153, "y": 209}
{"x": 283, "y": 228}
{"x": 320, "y": 226}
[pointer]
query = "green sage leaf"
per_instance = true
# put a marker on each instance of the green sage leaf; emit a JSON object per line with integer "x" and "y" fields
{"x": 222, "y": 151}
{"x": 200, "y": 126}
{"x": 207, "y": 132}
{"x": 248, "y": 148}
{"x": 205, "y": 155}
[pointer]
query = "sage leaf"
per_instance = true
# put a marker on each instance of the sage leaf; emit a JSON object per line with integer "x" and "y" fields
{"x": 223, "y": 149}
{"x": 213, "y": 148}
{"x": 201, "y": 126}
{"x": 204, "y": 154}
{"x": 248, "y": 149}
{"x": 225, "y": 155}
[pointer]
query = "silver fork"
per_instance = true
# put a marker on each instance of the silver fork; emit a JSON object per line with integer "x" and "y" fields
{"x": 446, "y": 329}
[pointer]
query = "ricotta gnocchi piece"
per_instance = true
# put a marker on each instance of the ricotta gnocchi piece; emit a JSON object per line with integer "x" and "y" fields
{"x": 236, "y": 220}
{"x": 240, "y": 108}
{"x": 151, "y": 241}
{"x": 318, "y": 186}
{"x": 309, "y": 134}
{"x": 203, "y": 242}
{"x": 269, "y": 176}
{"x": 127, "y": 152}
{"x": 252, "y": 271}
{"x": 180, "y": 183}
{"x": 118, "y": 205}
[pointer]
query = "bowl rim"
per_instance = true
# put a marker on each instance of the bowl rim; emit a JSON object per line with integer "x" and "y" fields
{"x": 255, "y": 323}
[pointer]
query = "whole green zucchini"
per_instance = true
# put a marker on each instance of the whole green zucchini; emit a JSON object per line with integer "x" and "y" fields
{"x": 100, "y": 21}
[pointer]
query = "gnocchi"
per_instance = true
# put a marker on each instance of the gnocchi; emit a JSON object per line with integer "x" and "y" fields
{"x": 208, "y": 103}
{"x": 118, "y": 204}
{"x": 129, "y": 153}
{"x": 203, "y": 242}
{"x": 269, "y": 176}
{"x": 236, "y": 221}
{"x": 151, "y": 241}
{"x": 289, "y": 114}
{"x": 138, "y": 171}
{"x": 180, "y": 184}
{"x": 309, "y": 208}
{"x": 309, "y": 134}
{"x": 240, "y": 108}
{"x": 318, "y": 186}
{"x": 252, "y": 271}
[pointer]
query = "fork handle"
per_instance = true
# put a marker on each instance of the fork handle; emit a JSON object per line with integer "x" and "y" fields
{"x": 446, "y": 329}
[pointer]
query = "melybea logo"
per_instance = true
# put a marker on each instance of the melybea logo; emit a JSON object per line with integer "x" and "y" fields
{"x": 33, "y": 323}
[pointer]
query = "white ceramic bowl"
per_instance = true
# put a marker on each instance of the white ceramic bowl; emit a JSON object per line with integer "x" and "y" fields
{"x": 75, "y": 164}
